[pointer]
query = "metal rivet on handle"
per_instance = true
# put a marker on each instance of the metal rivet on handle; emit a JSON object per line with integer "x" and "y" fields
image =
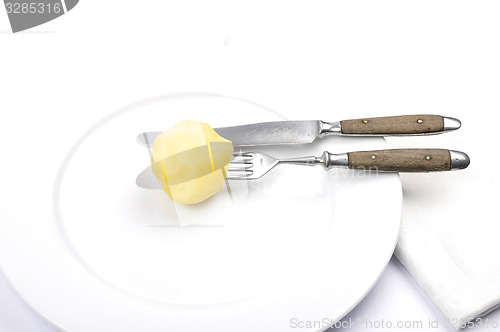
{"x": 365, "y": 121}
{"x": 373, "y": 157}
{"x": 428, "y": 157}
{"x": 420, "y": 121}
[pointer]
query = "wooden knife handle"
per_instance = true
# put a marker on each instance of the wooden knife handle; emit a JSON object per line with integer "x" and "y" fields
{"x": 408, "y": 160}
{"x": 400, "y": 125}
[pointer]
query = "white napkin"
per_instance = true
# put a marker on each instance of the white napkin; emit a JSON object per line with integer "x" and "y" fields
{"x": 450, "y": 232}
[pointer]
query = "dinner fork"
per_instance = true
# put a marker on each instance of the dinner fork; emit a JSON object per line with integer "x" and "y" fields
{"x": 254, "y": 165}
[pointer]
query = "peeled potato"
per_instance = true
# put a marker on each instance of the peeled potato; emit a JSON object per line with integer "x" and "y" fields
{"x": 190, "y": 160}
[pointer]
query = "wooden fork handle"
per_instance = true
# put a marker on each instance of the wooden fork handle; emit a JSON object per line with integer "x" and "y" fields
{"x": 408, "y": 160}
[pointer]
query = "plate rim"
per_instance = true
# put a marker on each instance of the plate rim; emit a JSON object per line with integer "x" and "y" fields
{"x": 103, "y": 120}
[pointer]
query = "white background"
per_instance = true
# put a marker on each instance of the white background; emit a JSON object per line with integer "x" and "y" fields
{"x": 314, "y": 59}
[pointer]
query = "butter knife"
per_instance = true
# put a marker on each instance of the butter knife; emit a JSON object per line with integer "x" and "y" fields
{"x": 300, "y": 132}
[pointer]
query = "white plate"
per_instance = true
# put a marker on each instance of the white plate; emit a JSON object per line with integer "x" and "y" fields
{"x": 299, "y": 245}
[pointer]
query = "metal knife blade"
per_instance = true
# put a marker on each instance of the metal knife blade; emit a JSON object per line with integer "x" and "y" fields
{"x": 257, "y": 134}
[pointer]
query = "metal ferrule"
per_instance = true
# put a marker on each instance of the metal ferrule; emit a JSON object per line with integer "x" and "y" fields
{"x": 330, "y": 128}
{"x": 334, "y": 160}
{"x": 451, "y": 124}
{"x": 459, "y": 160}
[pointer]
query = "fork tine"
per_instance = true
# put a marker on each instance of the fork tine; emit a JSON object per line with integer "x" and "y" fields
{"x": 239, "y": 175}
{"x": 240, "y": 167}
{"x": 239, "y": 171}
{"x": 242, "y": 160}
{"x": 250, "y": 165}
{"x": 244, "y": 167}
{"x": 239, "y": 160}
{"x": 243, "y": 154}
{"x": 242, "y": 163}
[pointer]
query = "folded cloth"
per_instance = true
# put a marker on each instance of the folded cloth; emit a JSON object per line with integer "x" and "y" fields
{"x": 450, "y": 239}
